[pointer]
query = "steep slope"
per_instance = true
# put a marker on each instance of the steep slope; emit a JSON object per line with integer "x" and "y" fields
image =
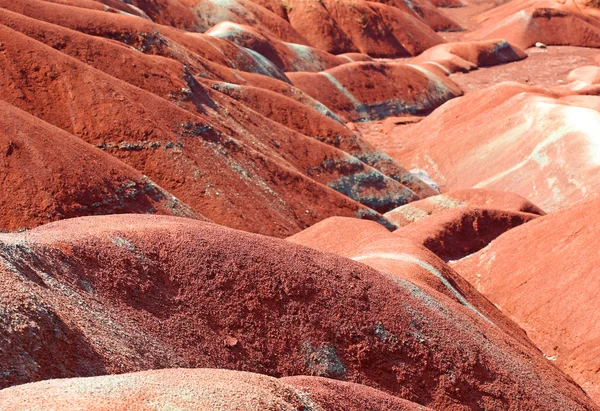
{"x": 426, "y": 11}
{"x": 184, "y": 150}
{"x": 286, "y": 56}
{"x": 173, "y": 81}
{"x": 113, "y": 294}
{"x": 467, "y": 56}
{"x": 340, "y": 396}
{"x": 380, "y": 29}
{"x": 48, "y": 174}
{"x": 138, "y": 136}
{"x": 545, "y": 276}
{"x": 376, "y": 29}
{"x": 455, "y": 233}
{"x": 199, "y": 53}
{"x": 326, "y": 128}
{"x": 373, "y": 90}
{"x": 399, "y": 257}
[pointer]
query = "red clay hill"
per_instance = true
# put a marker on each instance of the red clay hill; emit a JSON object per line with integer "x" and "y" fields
{"x": 309, "y": 205}
{"x": 50, "y": 174}
{"x": 552, "y": 297}
{"x": 113, "y": 294}
{"x": 539, "y": 143}
{"x": 187, "y": 135}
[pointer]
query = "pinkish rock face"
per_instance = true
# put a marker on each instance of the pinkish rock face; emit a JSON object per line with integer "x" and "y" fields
{"x": 525, "y": 23}
{"x": 521, "y": 139}
{"x": 201, "y": 389}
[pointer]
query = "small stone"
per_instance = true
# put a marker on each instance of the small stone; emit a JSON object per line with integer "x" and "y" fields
{"x": 230, "y": 342}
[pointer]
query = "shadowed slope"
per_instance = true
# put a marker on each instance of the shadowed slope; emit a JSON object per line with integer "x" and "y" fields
{"x": 398, "y": 257}
{"x": 374, "y": 90}
{"x": 456, "y": 233}
{"x": 491, "y": 199}
{"x": 523, "y": 23}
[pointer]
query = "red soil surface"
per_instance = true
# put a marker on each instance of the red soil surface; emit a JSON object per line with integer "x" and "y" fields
{"x": 527, "y": 140}
{"x": 464, "y": 57}
{"x": 169, "y": 60}
{"x": 48, "y": 174}
{"x": 436, "y": 19}
{"x": 163, "y": 79}
{"x": 326, "y": 128}
{"x": 544, "y": 275}
{"x": 112, "y": 294}
{"x": 201, "y": 389}
{"x": 380, "y": 29}
{"x": 459, "y": 223}
{"x": 386, "y": 28}
{"x": 467, "y": 14}
{"x": 239, "y": 113}
{"x": 373, "y": 90}
{"x": 162, "y": 133}
{"x": 546, "y": 68}
{"x": 544, "y": 139}
{"x": 286, "y": 56}
{"x": 340, "y": 396}
{"x": 404, "y": 259}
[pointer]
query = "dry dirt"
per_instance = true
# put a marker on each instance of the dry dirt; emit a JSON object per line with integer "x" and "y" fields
{"x": 309, "y": 205}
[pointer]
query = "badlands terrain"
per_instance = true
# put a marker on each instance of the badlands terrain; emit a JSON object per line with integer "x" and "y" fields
{"x": 310, "y": 205}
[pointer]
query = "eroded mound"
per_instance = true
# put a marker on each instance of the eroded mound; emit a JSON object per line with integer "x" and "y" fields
{"x": 377, "y": 29}
{"x": 374, "y": 90}
{"x": 212, "y": 152}
{"x": 491, "y": 199}
{"x": 337, "y": 395}
{"x": 455, "y": 233}
{"x": 525, "y": 23}
{"x": 540, "y": 144}
{"x": 48, "y": 174}
{"x": 385, "y": 28}
{"x": 200, "y": 389}
{"x": 544, "y": 275}
{"x": 242, "y": 109}
{"x": 195, "y": 125}
{"x": 125, "y": 293}
{"x": 398, "y": 257}
{"x": 467, "y": 56}
{"x": 286, "y": 56}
